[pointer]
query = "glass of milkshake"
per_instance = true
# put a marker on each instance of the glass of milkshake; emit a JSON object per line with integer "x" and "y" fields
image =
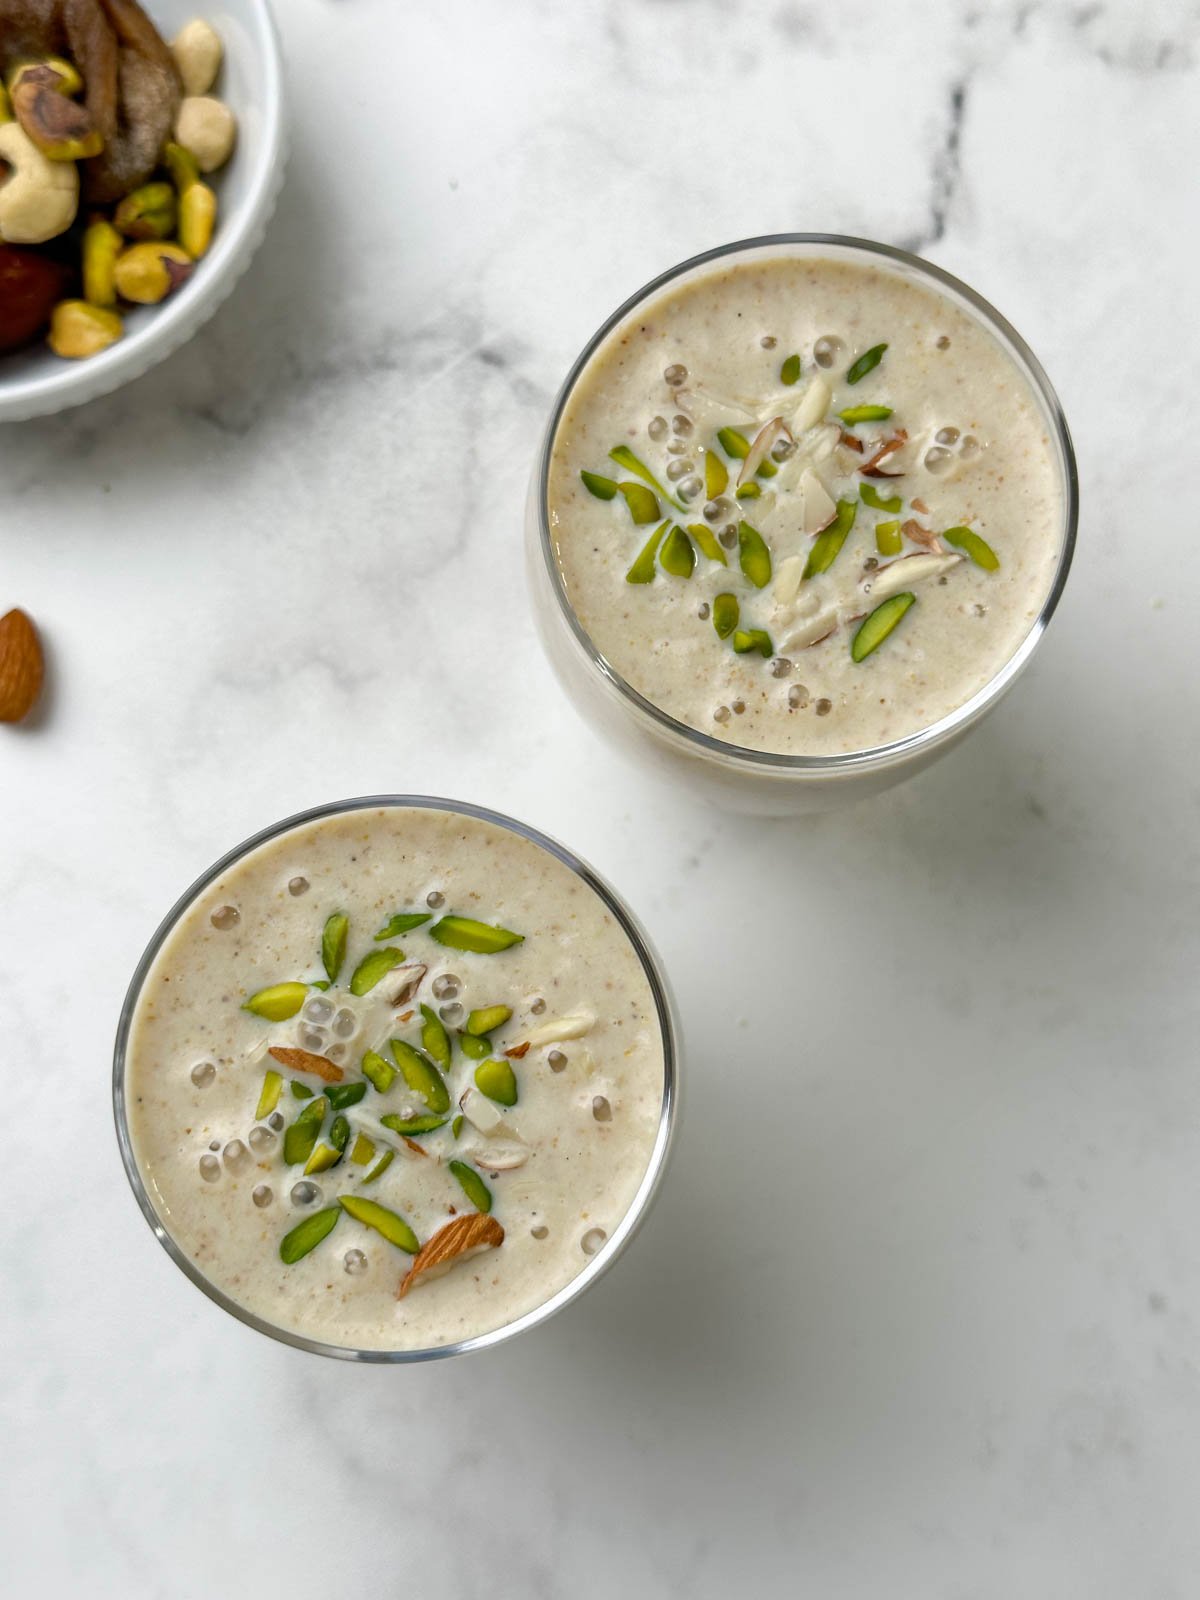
{"x": 803, "y": 510}
{"x": 396, "y": 1079}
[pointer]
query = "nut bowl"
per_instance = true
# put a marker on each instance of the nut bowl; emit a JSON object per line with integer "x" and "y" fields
{"x": 33, "y": 381}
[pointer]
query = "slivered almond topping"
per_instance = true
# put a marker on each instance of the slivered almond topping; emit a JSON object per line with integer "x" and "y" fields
{"x": 400, "y": 985}
{"x": 404, "y": 1016}
{"x": 919, "y": 535}
{"x": 518, "y": 1050}
{"x": 559, "y": 1028}
{"x": 766, "y": 436}
{"x": 465, "y": 1236}
{"x": 872, "y": 469}
{"x": 305, "y": 1061}
{"x": 851, "y": 441}
{"x": 919, "y": 505}
{"x": 415, "y": 1147}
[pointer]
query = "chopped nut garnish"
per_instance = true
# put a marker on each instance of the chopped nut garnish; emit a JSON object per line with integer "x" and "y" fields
{"x": 464, "y": 1237}
{"x": 518, "y": 1050}
{"x": 306, "y": 1061}
{"x": 872, "y": 469}
{"x": 921, "y": 535}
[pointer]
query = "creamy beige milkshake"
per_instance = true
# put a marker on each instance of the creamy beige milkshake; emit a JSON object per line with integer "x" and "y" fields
{"x": 395, "y": 1078}
{"x": 805, "y": 504}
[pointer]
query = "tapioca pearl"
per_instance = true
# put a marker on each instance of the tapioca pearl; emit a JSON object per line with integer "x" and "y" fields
{"x": 235, "y": 1153}
{"x": 435, "y": 900}
{"x": 225, "y": 917}
{"x": 682, "y": 425}
{"x": 592, "y": 1240}
{"x": 305, "y": 1193}
{"x": 938, "y": 460}
{"x": 540, "y": 1231}
{"x": 721, "y": 714}
{"x": 261, "y": 1139}
{"x": 783, "y": 449}
{"x": 210, "y": 1168}
{"x": 827, "y": 349}
{"x": 263, "y": 1195}
{"x": 335, "y": 1052}
{"x": 676, "y": 374}
{"x": 677, "y": 447}
{"x": 657, "y": 428}
{"x": 297, "y": 886}
{"x": 969, "y": 447}
{"x": 318, "y": 1009}
{"x": 797, "y": 697}
{"x": 943, "y": 341}
{"x": 601, "y": 1108}
{"x": 768, "y": 341}
{"x": 678, "y": 469}
{"x": 344, "y": 1023}
{"x": 946, "y": 436}
{"x": 354, "y": 1262}
{"x": 537, "y": 1006}
{"x": 214, "y": 1144}
{"x": 446, "y": 986}
{"x": 728, "y": 535}
{"x": 718, "y": 510}
{"x": 276, "y": 1121}
{"x": 780, "y": 667}
{"x": 824, "y": 707}
{"x": 452, "y": 1012}
{"x": 704, "y": 611}
{"x": 557, "y": 1060}
{"x": 738, "y": 707}
{"x": 691, "y": 487}
{"x": 313, "y": 1039}
{"x": 203, "y": 1074}
{"x": 870, "y": 563}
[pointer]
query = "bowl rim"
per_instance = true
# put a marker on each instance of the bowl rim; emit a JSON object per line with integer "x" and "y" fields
{"x": 59, "y": 385}
{"x": 874, "y": 756}
{"x": 664, "y": 1134}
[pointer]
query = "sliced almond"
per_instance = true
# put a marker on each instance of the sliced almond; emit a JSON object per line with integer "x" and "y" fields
{"x": 811, "y": 630}
{"x": 712, "y": 411}
{"x": 898, "y": 575}
{"x": 560, "y": 1028}
{"x": 919, "y": 505}
{"x": 22, "y": 666}
{"x": 399, "y": 986}
{"x": 763, "y": 441}
{"x": 872, "y": 467}
{"x": 483, "y": 1114}
{"x": 788, "y": 576}
{"x": 919, "y": 535}
{"x": 500, "y": 1155}
{"x": 518, "y": 1050}
{"x": 818, "y": 507}
{"x": 851, "y": 441}
{"x": 814, "y": 403}
{"x": 466, "y": 1236}
{"x": 305, "y": 1061}
{"x": 415, "y": 1147}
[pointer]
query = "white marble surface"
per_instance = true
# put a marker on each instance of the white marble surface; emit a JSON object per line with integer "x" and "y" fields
{"x": 919, "y": 1311}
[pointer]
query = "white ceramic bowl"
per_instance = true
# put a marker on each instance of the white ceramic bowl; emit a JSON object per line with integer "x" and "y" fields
{"x": 35, "y": 383}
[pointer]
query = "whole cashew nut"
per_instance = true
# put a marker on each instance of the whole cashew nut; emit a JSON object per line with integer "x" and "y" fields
{"x": 39, "y": 197}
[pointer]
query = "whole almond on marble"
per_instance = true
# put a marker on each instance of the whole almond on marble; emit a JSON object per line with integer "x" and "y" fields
{"x": 22, "y": 667}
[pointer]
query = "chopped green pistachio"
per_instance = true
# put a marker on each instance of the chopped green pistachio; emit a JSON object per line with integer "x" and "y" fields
{"x": 474, "y": 1047}
{"x": 380, "y": 1167}
{"x": 498, "y": 1081}
{"x": 473, "y": 1186}
{"x": 875, "y": 628}
{"x": 827, "y": 546}
{"x": 339, "y": 1133}
{"x": 388, "y": 1223}
{"x": 333, "y": 944}
{"x": 362, "y": 1150}
{"x": 378, "y": 1071}
{"x": 268, "y": 1098}
{"x": 278, "y": 1002}
{"x": 642, "y": 570}
{"x": 421, "y": 1076}
{"x": 705, "y": 538}
{"x": 435, "y": 1039}
{"x": 789, "y": 372}
{"x": 980, "y": 552}
{"x": 853, "y": 414}
{"x": 461, "y": 933}
{"x": 888, "y": 539}
{"x": 624, "y": 457}
{"x": 341, "y": 1095}
{"x": 748, "y": 491}
{"x": 753, "y": 639}
{"x": 725, "y": 613}
{"x": 867, "y": 362}
{"x": 602, "y": 488}
{"x": 753, "y": 555}
{"x": 737, "y": 446}
{"x": 374, "y": 966}
{"x": 301, "y": 1090}
{"x": 677, "y": 556}
{"x": 487, "y": 1019}
{"x": 307, "y": 1235}
{"x": 402, "y": 922}
{"x": 716, "y": 475}
{"x": 871, "y": 496}
{"x": 320, "y": 983}
{"x": 643, "y": 507}
{"x": 300, "y": 1138}
{"x": 322, "y": 1158}
{"x": 411, "y": 1126}
{"x": 456, "y": 1127}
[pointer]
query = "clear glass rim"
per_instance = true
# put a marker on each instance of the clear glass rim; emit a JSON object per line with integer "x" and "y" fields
{"x": 876, "y": 755}
{"x": 651, "y": 1179}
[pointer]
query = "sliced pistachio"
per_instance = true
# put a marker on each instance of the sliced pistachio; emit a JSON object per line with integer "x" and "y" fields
{"x": 300, "y": 1138}
{"x": 339, "y": 1133}
{"x": 323, "y": 1157}
{"x": 888, "y": 539}
{"x": 874, "y": 629}
{"x": 301, "y": 1091}
{"x": 643, "y": 507}
{"x": 789, "y": 372}
{"x": 736, "y": 445}
{"x": 278, "y": 1002}
{"x": 624, "y": 457}
{"x": 709, "y": 547}
{"x": 602, "y": 488}
{"x": 380, "y": 1167}
{"x": 643, "y": 569}
{"x": 372, "y": 967}
{"x": 463, "y": 933}
{"x": 333, "y": 944}
{"x": 307, "y": 1235}
{"x": 473, "y": 1186}
{"x": 320, "y": 983}
{"x": 753, "y": 555}
{"x": 867, "y": 362}
{"x": 677, "y": 556}
{"x": 362, "y": 1151}
{"x": 725, "y": 613}
{"x": 402, "y": 922}
{"x": 827, "y": 546}
{"x": 498, "y": 1081}
{"x": 341, "y": 1095}
{"x": 474, "y": 1046}
{"x": 456, "y": 1127}
{"x": 855, "y": 414}
{"x": 388, "y": 1223}
{"x": 748, "y": 491}
{"x": 378, "y": 1071}
{"x": 716, "y": 475}
{"x": 753, "y": 639}
{"x": 871, "y": 496}
{"x": 268, "y": 1097}
{"x": 435, "y": 1039}
{"x": 980, "y": 552}
{"x": 410, "y": 1126}
{"x": 487, "y": 1019}
{"x": 421, "y": 1076}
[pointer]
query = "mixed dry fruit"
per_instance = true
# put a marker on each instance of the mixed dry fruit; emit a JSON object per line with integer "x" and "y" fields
{"x": 107, "y": 134}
